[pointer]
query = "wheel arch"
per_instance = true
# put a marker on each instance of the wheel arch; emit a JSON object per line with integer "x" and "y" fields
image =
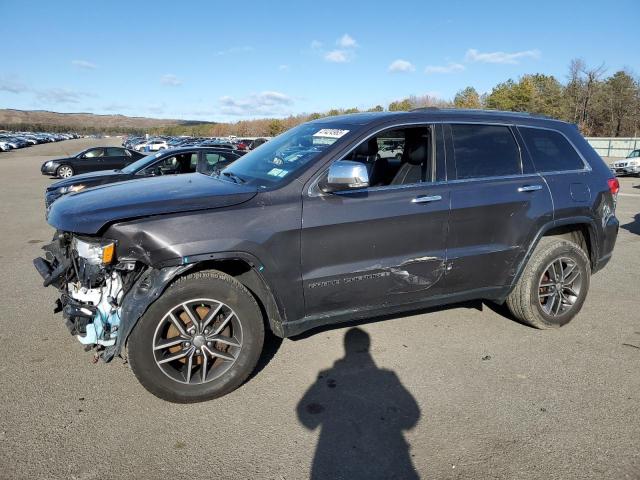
{"x": 245, "y": 268}
{"x": 580, "y": 230}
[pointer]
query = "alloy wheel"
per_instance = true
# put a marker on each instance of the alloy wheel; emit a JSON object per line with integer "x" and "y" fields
{"x": 559, "y": 286}
{"x": 197, "y": 341}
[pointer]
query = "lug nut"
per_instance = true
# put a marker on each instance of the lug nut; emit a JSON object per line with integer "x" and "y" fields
{"x": 206, "y": 331}
{"x": 198, "y": 351}
{"x": 209, "y": 344}
{"x": 187, "y": 344}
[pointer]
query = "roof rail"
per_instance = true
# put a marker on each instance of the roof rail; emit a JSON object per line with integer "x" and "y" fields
{"x": 480, "y": 110}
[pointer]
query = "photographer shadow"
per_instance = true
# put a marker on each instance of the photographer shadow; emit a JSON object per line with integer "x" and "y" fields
{"x": 362, "y": 412}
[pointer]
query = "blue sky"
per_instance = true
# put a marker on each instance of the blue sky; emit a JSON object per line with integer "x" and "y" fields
{"x": 226, "y": 61}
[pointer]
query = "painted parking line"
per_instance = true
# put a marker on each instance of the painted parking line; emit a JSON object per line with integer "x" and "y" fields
{"x": 629, "y": 194}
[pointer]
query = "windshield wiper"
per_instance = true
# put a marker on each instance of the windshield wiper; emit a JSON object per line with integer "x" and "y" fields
{"x": 234, "y": 177}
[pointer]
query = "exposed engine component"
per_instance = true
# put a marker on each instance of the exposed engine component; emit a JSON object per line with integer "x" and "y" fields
{"x": 95, "y": 312}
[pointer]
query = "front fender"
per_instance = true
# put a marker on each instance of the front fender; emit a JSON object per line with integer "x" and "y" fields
{"x": 146, "y": 290}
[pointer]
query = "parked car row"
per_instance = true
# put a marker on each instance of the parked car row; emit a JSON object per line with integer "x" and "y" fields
{"x": 13, "y": 140}
{"x": 154, "y": 144}
{"x": 122, "y": 164}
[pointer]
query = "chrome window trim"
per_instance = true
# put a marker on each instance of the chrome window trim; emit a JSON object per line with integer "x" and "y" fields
{"x": 312, "y": 191}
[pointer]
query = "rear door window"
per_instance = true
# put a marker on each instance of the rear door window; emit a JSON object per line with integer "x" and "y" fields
{"x": 550, "y": 150}
{"x": 485, "y": 151}
{"x": 115, "y": 152}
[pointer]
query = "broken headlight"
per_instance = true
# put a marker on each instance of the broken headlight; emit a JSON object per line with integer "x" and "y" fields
{"x": 95, "y": 253}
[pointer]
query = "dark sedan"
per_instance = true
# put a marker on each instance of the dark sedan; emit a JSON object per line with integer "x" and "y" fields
{"x": 166, "y": 162}
{"x": 90, "y": 160}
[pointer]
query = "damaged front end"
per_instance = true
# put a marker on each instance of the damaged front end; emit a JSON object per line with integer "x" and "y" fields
{"x": 101, "y": 298}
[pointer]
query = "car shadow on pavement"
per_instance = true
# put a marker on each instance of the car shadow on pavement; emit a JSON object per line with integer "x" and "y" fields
{"x": 362, "y": 411}
{"x": 633, "y": 227}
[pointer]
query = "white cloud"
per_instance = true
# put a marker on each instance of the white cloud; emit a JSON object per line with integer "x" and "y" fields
{"x": 346, "y": 41}
{"x": 343, "y": 54}
{"x": 338, "y": 56}
{"x": 171, "y": 80}
{"x": 474, "y": 55}
{"x": 283, "y": 67}
{"x": 13, "y": 85}
{"x": 84, "y": 64}
{"x": 449, "y": 68}
{"x": 60, "y": 95}
{"x": 401, "y": 66}
{"x": 257, "y": 104}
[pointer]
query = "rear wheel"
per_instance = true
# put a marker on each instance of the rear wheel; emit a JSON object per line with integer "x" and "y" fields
{"x": 200, "y": 340}
{"x": 64, "y": 171}
{"x": 553, "y": 286}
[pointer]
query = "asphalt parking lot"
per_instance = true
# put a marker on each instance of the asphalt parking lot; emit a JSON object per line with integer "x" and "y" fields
{"x": 461, "y": 392}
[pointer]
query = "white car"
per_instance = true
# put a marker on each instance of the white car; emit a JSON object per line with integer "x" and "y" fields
{"x": 391, "y": 149}
{"x": 5, "y": 146}
{"x": 152, "y": 146}
{"x": 627, "y": 166}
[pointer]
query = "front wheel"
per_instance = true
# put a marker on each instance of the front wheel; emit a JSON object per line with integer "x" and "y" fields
{"x": 200, "y": 340}
{"x": 64, "y": 171}
{"x": 553, "y": 286}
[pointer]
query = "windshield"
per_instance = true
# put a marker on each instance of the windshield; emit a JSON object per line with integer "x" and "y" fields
{"x": 141, "y": 163}
{"x": 281, "y": 157}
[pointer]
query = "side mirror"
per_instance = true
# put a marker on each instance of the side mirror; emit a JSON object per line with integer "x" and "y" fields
{"x": 345, "y": 175}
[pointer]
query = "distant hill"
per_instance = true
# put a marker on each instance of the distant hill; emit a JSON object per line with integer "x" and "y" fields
{"x": 86, "y": 121}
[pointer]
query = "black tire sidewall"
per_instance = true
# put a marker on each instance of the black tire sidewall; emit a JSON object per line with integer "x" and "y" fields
{"x": 573, "y": 252}
{"x": 140, "y": 344}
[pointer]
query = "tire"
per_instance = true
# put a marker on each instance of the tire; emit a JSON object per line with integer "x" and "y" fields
{"x": 64, "y": 171}
{"x": 170, "y": 380}
{"x": 535, "y": 299}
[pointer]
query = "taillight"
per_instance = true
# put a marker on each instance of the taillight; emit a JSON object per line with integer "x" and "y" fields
{"x": 614, "y": 186}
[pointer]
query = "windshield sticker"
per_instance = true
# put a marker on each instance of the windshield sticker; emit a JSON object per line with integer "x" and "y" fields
{"x": 277, "y": 172}
{"x": 330, "y": 133}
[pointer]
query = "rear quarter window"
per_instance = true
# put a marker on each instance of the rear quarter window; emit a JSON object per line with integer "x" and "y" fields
{"x": 485, "y": 151}
{"x": 550, "y": 150}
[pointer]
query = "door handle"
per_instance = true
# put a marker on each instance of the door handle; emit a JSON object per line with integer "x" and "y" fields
{"x": 530, "y": 188}
{"x": 426, "y": 199}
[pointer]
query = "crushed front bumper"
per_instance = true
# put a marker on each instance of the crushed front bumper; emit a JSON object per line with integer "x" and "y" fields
{"x": 100, "y": 306}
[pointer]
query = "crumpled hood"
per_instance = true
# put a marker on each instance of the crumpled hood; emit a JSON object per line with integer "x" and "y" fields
{"x": 90, "y": 210}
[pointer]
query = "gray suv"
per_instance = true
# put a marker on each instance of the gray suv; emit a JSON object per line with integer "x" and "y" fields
{"x": 316, "y": 227}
